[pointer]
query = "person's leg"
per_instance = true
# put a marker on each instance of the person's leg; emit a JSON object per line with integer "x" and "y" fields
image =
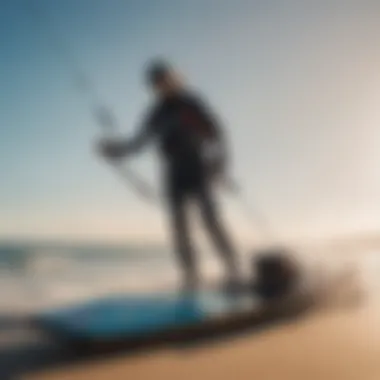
{"x": 216, "y": 230}
{"x": 181, "y": 236}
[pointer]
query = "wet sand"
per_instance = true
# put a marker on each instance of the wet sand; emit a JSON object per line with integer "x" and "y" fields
{"x": 339, "y": 345}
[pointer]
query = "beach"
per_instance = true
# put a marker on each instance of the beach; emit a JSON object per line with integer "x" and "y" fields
{"x": 339, "y": 345}
{"x": 338, "y": 338}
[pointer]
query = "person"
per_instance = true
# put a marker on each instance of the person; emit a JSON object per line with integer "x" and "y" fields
{"x": 194, "y": 151}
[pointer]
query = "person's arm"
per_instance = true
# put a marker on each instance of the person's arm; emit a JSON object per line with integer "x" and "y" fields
{"x": 215, "y": 134}
{"x": 117, "y": 149}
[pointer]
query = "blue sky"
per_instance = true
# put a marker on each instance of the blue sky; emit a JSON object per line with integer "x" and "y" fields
{"x": 297, "y": 86}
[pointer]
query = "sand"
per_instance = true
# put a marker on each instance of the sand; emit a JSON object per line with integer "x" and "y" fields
{"x": 338, "y": 341}
{"x": 339, "y": 345}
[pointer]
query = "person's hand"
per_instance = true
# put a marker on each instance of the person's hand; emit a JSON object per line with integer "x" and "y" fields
{"x": 217, "y": 170}
{"x": 219, "y": 174}
{"x": 216, "y": 160}
{"x": 111, "y": 149}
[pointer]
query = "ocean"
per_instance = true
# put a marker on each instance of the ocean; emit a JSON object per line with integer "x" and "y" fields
{"x": 38, "y": 276}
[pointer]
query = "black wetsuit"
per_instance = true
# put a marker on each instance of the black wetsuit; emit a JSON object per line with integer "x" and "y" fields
{"x": 183, "y": 126}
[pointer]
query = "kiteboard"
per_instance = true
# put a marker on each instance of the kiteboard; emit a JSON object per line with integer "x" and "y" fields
{"x": 135, "y": 320}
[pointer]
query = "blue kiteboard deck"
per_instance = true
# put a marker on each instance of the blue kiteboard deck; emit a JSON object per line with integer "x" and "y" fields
{"x": 134, "y": 319}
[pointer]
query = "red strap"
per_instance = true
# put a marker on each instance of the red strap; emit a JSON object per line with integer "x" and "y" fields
{"x": 191, "y": 118}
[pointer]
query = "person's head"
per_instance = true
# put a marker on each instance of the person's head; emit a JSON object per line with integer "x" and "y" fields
{"x": 162, "y": 78}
